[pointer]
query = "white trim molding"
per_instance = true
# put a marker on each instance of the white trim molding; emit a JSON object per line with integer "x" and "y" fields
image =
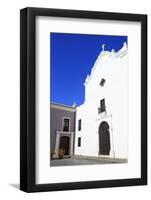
{"x": 58, "y": 137}
{"x": 63, "y": 123}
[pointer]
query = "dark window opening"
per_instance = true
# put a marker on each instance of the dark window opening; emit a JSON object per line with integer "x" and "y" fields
{"x": 66, "y": 125}
{"x": 79, "y": 125}
{"x": 102, "y": 106}
{"x": 102, "y": 82}
{"x": 99, "y": 110}
{"x": 79, "y": 141}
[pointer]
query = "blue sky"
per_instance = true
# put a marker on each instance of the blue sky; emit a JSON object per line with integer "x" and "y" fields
{"x": 72, "y": 57}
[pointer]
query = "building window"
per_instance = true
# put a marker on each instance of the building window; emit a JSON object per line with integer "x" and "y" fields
{"x": 99, "y": 110}
{"x": 79, "y": 125}
{"x": 102, "y": 105}
{"x": 79, "y": 141}
{"x": 102, "y": 82}
{"x": 66, "y": 124}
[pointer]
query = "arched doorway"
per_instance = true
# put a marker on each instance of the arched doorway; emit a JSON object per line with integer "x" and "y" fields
{"x": 104, "y": 139}
{"x": 64, "y": 144}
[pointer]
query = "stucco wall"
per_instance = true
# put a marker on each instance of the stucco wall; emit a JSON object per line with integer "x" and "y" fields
{"x": 113, "y": 68}
{"x": 56, "y": 123}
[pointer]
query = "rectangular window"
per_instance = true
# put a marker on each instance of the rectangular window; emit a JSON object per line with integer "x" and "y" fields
{"x": 102, "y": 82}
{"x": 66, "y": 124}
{"x": 79, "y": 141}
{"x": 79, "y": 125}
{"x": 99, "y": 110}
{"x": 102, "y": 106}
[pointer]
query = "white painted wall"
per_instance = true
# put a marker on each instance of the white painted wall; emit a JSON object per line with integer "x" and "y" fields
{"x": 112, "y": 66}
{"x": 9, "y": 100}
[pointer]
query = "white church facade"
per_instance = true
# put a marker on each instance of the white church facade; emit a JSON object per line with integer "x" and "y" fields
{"x": 100, "y": 123}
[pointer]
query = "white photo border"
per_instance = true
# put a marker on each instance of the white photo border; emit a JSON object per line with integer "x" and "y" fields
{"x": 132, "y": 169}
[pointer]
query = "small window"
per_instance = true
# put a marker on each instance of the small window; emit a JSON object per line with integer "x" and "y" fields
{"x": 79, "y": 141}
{"x": 66, "y": 124}
{"x": 102, "y": 106}
{"x": 99, "y": 110}
{"x": 102, "y": 82}
{"x": 79, "y": 125}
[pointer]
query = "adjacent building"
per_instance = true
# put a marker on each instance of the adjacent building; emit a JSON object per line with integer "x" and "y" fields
{"x": 62, "y": 129}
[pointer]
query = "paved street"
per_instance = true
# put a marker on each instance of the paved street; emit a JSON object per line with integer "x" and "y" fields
{"x": 84, "y": 161}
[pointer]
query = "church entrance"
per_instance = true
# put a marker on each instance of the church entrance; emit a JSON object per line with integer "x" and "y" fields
{"x": 104, "y": 139}
{"x": 64, "y": 144}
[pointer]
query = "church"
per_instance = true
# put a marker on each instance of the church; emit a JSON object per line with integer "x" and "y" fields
{"x": 98, "y": 127}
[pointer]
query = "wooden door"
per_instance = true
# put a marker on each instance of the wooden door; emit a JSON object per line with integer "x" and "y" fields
{"x": 104, "y": 139}
{"x": 64, "y": 144}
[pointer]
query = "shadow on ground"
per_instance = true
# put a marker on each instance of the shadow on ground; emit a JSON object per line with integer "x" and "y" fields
{"x": 15, "y": 185}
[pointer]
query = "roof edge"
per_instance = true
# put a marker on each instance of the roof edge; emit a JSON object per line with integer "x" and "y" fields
{"x": 62, "y": 107}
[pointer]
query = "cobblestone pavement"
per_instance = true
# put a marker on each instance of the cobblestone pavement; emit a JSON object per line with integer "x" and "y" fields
{"x": 84, "y": 161}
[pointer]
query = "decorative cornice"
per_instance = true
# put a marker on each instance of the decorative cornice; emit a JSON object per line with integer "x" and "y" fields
{"x": 112, "y": 54}
{"x": 62, "y": 107}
